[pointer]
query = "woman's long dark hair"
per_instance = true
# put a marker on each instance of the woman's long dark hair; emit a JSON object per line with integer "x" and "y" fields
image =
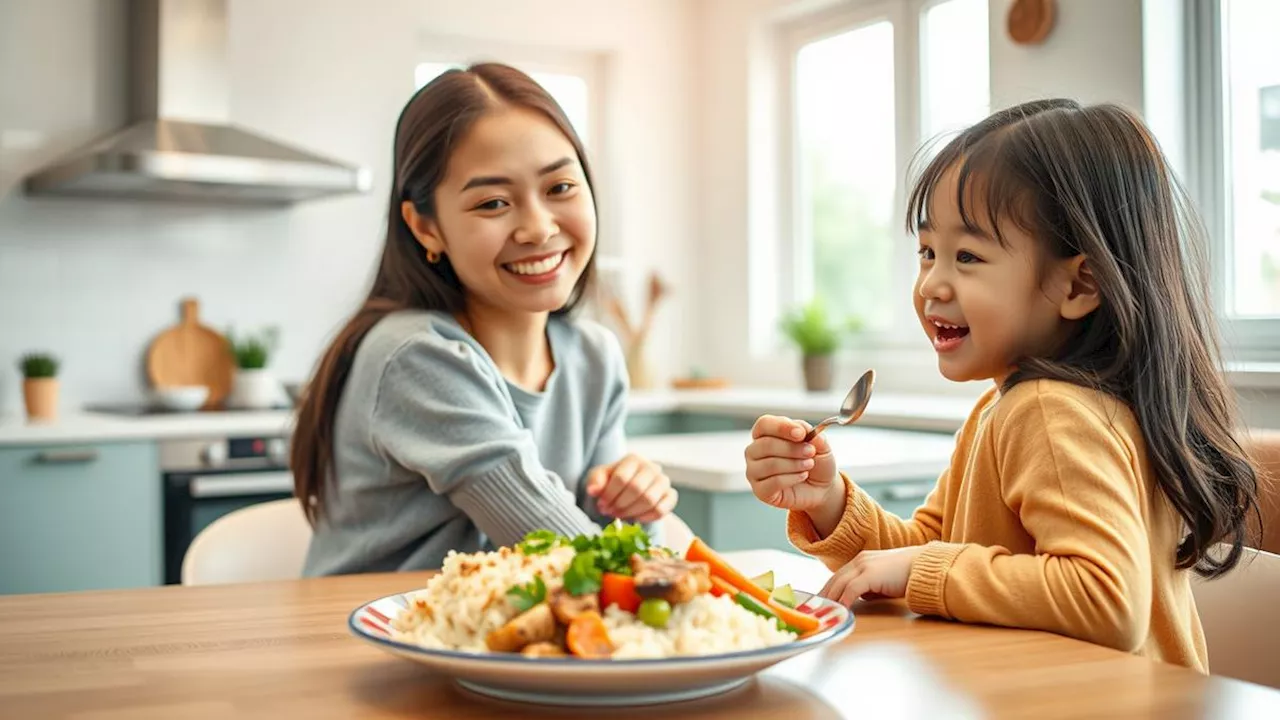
{"x": 1092, "y": 181}
{"x": 431, "y": 125}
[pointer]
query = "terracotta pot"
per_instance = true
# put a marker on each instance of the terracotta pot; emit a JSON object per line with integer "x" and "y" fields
{"x": 41, "y": 396}
{"x": 817, "y": 372}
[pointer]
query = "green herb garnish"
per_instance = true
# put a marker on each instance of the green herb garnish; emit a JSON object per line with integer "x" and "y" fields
{"x": 610, "y": 551}
{"x": 541, "y": 542}
{"x": 583, "y": 576}
{"x": 524, "y": 597}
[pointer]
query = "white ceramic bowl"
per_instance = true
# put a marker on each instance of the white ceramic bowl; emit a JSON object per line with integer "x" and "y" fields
{"x": 598, "y": 683}
{"x": 181, "y": 398}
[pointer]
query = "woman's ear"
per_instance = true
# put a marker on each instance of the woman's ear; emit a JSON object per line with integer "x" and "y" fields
{"x": 1082, "y": 295}
{"x": 423, "y": 228}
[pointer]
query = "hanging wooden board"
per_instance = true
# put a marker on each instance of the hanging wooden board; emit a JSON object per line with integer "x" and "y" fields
{"x": 191, "y": 354}
{"x": 1030, "y": 21}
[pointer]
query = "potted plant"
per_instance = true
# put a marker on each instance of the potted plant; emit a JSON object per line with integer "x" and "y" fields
{"x": 817, "y": 335}
{"x": 255, "y": 387}
{"x": 40, "y": 385}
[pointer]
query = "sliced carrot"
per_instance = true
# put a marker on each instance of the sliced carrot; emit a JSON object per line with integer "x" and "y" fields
{"x": 618, "y": 589}
{"x": 796, "y": 619}
{"x": 720, "y": 586}
{"x": 587, "y": 637}
{"x": 699, "y": 551}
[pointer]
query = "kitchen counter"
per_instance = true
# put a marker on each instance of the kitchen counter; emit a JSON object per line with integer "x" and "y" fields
{"x": 908, "y": 412}
{"x": 713, "y": 462}
{"x": 87, "y": 427}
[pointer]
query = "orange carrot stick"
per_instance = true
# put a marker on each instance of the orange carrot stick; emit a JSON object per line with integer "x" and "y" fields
{"x": 720, "y": 586}
{"x": 699, "y": 551}
{"x": 796, "y": 619}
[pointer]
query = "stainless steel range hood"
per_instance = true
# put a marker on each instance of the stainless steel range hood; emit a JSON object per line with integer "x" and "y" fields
{"x": 179, "y": 143}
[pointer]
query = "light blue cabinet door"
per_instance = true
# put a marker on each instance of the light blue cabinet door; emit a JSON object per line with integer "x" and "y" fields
{"x": 79, "y": 517}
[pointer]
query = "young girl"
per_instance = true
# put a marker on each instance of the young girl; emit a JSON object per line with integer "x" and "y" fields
{"x": 1102, "y": 465}
{"x": 460, "y": 406}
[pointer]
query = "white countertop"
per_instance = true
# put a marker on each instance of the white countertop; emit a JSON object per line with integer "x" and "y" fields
{"x": 914, "y": 412}
{"x": 936, "y": 413}
{"x": 714, "y": 462}
{"x": 86, "y": 427}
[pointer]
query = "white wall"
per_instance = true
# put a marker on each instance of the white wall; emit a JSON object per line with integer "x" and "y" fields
{"x": 94, "y": 281}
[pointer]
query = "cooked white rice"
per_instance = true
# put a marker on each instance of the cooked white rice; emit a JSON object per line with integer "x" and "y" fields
{"x": 706, "y": 625}
{"x": 467, "y": 600}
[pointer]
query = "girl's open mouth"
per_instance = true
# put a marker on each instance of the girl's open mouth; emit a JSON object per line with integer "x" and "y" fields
{"x": 948, "y": 337}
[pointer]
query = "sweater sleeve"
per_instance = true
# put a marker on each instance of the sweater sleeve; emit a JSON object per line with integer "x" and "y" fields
{"x": 1071, "y": 478}
{"x": 867, "y": 526}
{"x": 611, "y": 440}
{"x": 440, "y": 412}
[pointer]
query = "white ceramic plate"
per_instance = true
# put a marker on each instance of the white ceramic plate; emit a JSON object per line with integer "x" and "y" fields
{"x": 567, "y": 681}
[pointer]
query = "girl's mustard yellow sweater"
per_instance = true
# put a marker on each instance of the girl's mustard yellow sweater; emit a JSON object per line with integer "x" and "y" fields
{"x": 1048, "y": 517}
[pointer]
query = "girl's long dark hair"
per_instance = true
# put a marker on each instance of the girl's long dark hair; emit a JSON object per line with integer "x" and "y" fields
{"x": 431, "y": 125}
{"x": 1092, "y": 181}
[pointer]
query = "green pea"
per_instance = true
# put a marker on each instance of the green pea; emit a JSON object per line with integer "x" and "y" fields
{"x": 654, "y": 612}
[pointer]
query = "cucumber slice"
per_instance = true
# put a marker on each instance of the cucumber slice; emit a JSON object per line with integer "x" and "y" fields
{"x": 765, "y": 581}
{"x": 784, "y": 595}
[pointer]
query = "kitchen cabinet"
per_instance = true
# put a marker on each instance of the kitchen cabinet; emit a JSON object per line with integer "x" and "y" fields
{"x": 79, "y": 517}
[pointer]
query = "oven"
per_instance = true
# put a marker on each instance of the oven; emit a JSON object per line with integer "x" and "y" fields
{"x": 206, "y": 478}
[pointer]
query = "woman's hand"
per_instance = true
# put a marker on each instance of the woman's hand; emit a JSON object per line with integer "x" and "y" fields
{"x": 873, "y": 573}
{"x": 633, "y": 489}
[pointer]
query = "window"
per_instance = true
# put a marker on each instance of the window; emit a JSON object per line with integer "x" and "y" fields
{"x": 860, "y": 107}
{"x": 1251, "y": 108}
{"x": 1233, "y": 144}
{"x": 569, "y": 90}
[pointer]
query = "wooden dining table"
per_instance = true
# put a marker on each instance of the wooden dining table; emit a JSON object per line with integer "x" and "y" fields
{"x": 282, "y": 650}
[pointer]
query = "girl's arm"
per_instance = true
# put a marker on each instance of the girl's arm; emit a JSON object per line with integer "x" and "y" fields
{"x": 440, "y": 413}
{"x": 865, "y": 525}
{"x": 1073, "y": 481}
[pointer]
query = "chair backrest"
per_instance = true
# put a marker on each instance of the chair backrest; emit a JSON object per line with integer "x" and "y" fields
{"x": 676, "y": 534}
{"x": 1265, "y": 445}
{"x": 266, "y": 541}
{"x": 1241, "y": 618}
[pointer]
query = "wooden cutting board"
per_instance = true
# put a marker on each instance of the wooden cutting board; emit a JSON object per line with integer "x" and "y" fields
{"x": 191, "y": 354}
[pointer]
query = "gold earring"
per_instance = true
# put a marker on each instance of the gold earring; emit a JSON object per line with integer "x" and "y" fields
{"x": 433, "y": 257}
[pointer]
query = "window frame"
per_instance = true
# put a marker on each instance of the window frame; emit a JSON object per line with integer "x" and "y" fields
{"x": 1207, "y": 180}
{"x": 791, "y": 256}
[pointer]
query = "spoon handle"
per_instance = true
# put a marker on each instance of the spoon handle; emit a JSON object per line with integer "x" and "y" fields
{"x": 809, "y": 436}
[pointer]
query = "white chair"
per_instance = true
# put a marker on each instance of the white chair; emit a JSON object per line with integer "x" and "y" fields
{"x": 266, "y": 541}
{"x": 1241, "y": 618}
{"x": 676, "y": 534}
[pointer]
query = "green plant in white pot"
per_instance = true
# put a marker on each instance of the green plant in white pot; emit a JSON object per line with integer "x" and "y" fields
{"x": 40, "y": 385}
{"x": 818, "y": 335}
{"x": 255, "y": 386}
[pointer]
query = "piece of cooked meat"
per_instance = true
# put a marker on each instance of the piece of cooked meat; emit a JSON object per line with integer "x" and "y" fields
{"x": 566, "y": 607}
{"x": 671, "y": 579}
{"x": 536, "y": 624}
{"x": 544, "y": 650}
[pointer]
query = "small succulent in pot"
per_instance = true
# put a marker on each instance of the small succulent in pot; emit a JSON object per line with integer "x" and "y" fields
{"x": 40, "y": 385}
{"x": 818, "y": 335}
{"x": 38, "y": 365}
{"x": 255, "y": 386}
{"x": 253, "y": 352}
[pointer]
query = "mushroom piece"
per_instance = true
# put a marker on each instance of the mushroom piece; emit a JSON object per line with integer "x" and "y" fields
{"x": 566, "y": 607}
{"x": 544, "y": 650}
{"x": 536, "y": 624}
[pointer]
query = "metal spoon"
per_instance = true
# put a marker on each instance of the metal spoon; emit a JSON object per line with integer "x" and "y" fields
{"x": 851, "y": 409}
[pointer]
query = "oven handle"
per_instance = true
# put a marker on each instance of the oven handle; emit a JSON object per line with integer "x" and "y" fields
{"x": 258, "y": 483}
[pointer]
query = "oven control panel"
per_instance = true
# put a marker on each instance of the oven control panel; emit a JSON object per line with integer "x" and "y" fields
{"x": 248, "y": 452}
